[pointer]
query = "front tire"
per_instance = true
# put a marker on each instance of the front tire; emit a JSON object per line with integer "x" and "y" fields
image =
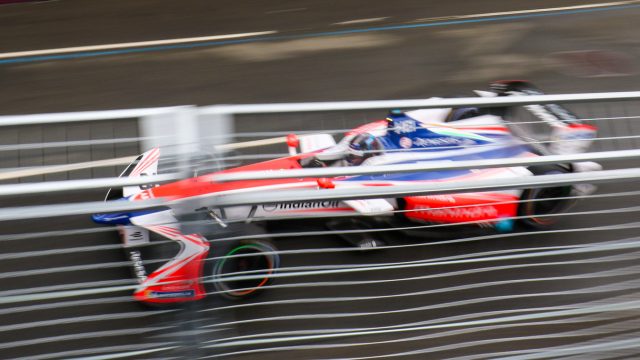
{"x": 257, "y": 259}
{"x": 538, "y": 205}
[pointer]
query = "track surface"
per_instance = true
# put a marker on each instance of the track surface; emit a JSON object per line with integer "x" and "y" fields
{"x": 446, "y": 59}
{"x": 421, "y": 62}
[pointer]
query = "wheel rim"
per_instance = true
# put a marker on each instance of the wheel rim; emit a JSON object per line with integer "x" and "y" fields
{"x": 255, "y": 262}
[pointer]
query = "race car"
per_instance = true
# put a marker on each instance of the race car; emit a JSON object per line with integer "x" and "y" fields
{"x": 213, "y": 249}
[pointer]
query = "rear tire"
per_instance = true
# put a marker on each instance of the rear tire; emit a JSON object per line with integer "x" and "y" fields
{"x": 536, "y": 212}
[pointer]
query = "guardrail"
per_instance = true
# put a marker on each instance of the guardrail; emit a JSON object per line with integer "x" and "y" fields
{"x": 51, "y": 118}
{"x": 586, "y": 272}
{"x": 437, "y": 166}
{"x": 189, "y": 125}
{"x": 183, "y": 127}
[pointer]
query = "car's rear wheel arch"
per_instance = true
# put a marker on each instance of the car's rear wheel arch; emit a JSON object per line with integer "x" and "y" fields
{"x": 534, "y": 210}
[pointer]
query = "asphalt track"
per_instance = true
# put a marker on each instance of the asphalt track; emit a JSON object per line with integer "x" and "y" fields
{"x": 306, "y": 63}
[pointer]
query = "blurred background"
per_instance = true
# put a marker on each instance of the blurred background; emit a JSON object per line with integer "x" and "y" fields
{"x": 320, "y": 50}
{"x": 77, "y": 55}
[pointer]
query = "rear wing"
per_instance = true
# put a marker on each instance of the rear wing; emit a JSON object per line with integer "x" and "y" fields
{"x": 554, "y": 114}
{"x": 549, "y": 128}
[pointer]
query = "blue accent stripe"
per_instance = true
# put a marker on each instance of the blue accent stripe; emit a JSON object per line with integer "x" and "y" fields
{"x": 80, "y": 55}
{"x": 501, "y": 153}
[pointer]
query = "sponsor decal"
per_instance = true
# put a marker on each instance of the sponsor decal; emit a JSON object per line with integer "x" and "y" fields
{"x": 302, "y": 205}
{"x": 405, "y": 142}
{"x": 172, "y": 294}
{"x": 143, "y": 195}
{"x": 444, "y": 198}
{"x": 269, "y": 207}
{"x": 542, "y": 114}
{"x": 460, "y": 213}
{"x": 181, "y": 286}
{"x": 134, "y": 236}
{"x": 404, "y": 126}
{"x": 148, "y": 186}
{"x": 138, "y": 267}
{"x": 441, "y": 141}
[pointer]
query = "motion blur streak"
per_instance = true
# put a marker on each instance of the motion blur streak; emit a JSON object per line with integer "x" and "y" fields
{"x": 105, "y": 317}
{"x": 617, "y": 307}
{"x": 542, "y": 353}
{"x": 614, "y": 287}
{"x": 630, "y": 342}
{"x": 604, "y": 274}
{"x": 128, "y": 351}
{"x": 612, "y": 259}
{"x": 96, "y": 334}
{"x": 63, "y": 304}
{"x": 594, "y": 330}
{"x": 12, "y": 297}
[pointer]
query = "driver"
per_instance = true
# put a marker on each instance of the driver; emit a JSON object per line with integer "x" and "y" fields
{"x": 362, "y": 147}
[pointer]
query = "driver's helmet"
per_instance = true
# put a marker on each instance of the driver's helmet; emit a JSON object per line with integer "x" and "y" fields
{"x": 362, "y": 147}
{"x": 463, "y": 113}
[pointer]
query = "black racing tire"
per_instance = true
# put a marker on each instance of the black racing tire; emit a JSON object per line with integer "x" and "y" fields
{"x": 251, "y": 257}
{"x": 536, "y": 214}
